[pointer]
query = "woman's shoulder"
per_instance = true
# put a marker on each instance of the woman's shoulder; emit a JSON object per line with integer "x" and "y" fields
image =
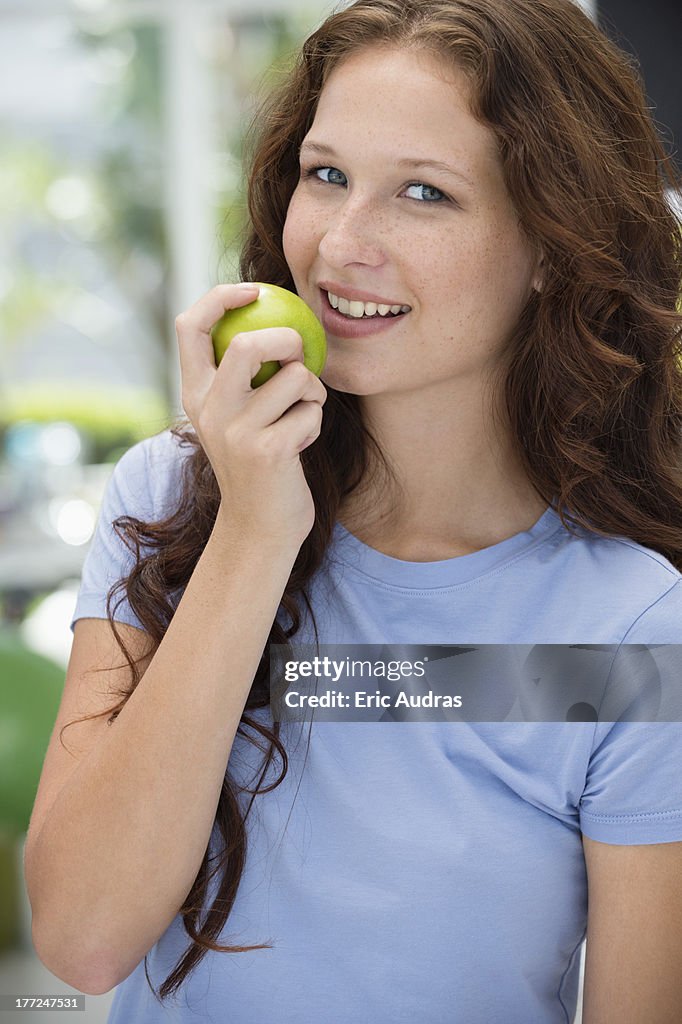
{"x": 648, "y": 582}
{"x": 166, "y": 448}
{"x": 618, "y": 584}
{"x": 617, "y": 557}
{"x": 644, "y": 559}
{"x": 150, "y": 470}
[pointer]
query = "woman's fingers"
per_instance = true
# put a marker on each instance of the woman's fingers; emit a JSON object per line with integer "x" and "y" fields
{"x": 303, "y": 420}
{"x": 246, "y": 354}
{"x": 293, "y": 384}
{"x": 252, "y": 436}
{"x": 241, "y": 362}
{"x": 195, "y": 345}
{"x": 223, "y": 394}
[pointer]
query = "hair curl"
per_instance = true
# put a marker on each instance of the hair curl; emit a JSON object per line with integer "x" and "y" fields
{"x": 592, "y": 387}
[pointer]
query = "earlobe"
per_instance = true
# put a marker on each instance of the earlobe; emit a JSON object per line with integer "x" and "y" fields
{"x": 539, "y": 279}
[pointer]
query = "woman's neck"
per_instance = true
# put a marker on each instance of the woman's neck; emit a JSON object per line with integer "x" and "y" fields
{"x": 421, "y": 540}
{"x": 456, "y": 484}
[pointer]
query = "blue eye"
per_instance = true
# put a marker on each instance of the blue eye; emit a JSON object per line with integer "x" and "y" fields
{"x": 334, "y": 170}
{"x": 429, "y": 188}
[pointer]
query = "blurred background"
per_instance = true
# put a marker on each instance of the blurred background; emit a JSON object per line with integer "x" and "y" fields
{"x": 121, "y": 202}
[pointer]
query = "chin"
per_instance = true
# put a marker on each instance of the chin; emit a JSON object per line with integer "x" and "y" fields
{"x": 348, "y": 383}
{"x": 346, "y": 387}
{"x": 360, "y": 372}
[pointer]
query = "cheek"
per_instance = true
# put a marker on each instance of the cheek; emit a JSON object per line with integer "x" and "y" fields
{"x": 289, "y": 239}
{"x": 298, "y": 237}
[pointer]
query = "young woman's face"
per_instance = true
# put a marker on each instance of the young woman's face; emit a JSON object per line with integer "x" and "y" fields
{"x": 444, "y": 241}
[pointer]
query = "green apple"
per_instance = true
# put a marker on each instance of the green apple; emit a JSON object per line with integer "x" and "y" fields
{"x": 274, "y": 307}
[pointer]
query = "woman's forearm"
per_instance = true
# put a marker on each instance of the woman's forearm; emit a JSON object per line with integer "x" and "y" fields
{"x": 121, "y": 846}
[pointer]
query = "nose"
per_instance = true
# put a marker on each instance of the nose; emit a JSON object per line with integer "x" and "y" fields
{"x": 353, "y": 235}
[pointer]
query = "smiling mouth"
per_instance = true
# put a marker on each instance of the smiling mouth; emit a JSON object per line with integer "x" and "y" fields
{"x": 351, "y": 309}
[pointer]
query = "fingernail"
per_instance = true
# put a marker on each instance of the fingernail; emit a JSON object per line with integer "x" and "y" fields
{"x": 247, "y": 285}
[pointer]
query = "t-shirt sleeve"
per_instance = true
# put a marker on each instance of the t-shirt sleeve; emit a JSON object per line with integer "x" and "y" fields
{"x": 127, "y": 492}
{"x": 633, "y": 791}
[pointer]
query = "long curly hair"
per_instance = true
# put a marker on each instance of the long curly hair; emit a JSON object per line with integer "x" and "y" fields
{"x": 592, "y": 383}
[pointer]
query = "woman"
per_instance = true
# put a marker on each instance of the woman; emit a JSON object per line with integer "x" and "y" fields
{"x": 497, "y": 463}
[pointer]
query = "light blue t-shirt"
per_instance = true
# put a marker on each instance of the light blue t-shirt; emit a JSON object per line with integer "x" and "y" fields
{"x": 425, "y": 872}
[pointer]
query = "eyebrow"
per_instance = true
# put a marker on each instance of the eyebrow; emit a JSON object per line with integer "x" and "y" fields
{"x": 407, "y": 161}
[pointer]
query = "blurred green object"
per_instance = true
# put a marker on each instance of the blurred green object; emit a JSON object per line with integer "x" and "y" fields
{"x": 9, "y": 894}
{"x": 30, "y": 692}
{"x": 111, "y": 417}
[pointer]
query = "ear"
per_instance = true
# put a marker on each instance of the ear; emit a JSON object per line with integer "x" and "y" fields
{"x": 539, "y": 276}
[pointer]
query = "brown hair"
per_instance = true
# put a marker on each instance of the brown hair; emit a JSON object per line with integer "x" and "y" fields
{"x": 592, "y": 385}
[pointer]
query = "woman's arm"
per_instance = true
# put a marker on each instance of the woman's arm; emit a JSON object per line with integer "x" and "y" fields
{"x": 111, "y": 861}
{"x": 633, "y": 965}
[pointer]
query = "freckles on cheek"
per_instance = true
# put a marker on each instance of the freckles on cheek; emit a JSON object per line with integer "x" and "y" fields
{"x": 299, "y": 234}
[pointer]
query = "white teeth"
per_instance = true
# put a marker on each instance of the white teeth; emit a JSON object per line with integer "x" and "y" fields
{"x": 357, "y": 309}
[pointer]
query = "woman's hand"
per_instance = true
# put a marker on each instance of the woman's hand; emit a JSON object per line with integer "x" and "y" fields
{"x": 252, "y": 437}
